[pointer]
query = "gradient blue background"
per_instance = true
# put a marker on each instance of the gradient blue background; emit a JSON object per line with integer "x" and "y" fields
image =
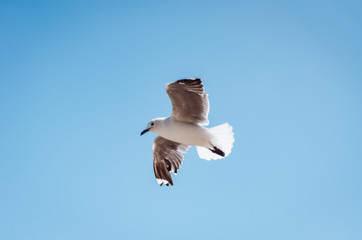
{"x": 80, "y": 80}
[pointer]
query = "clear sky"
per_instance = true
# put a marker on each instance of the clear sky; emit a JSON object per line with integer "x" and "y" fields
{"x": 79, "y": 80}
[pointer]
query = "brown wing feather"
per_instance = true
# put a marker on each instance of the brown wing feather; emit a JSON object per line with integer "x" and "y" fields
{"x": 190, "y": 103}
{"x": 167, "y": 158}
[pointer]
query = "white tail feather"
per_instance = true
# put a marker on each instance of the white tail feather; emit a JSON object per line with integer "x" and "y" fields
{"x": 206, "y": 154}
{"x": 223, "y": 139}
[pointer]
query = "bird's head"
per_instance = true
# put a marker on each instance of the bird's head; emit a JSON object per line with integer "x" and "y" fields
{"x": 153, "y": 125}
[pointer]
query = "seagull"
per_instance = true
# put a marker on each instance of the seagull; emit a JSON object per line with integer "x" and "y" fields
{"x": 185, "y": 127}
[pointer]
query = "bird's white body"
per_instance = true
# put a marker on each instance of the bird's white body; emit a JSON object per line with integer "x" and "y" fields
{"x": 183, "y": 132}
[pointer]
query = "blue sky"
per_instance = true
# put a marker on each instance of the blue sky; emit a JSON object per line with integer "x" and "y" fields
{"x": 79, "y": 80}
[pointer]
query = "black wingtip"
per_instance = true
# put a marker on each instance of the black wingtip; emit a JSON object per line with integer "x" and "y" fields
{"x": 217, "y": 151}
{"x": 189, "y": 80}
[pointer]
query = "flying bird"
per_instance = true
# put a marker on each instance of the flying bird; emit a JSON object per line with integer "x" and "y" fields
{"x": 185, "y": 127}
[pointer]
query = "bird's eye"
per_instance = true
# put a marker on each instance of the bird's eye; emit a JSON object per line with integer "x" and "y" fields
{"x": 152, "y": 124}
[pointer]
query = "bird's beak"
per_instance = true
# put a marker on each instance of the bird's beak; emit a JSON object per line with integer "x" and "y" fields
{"x": 144, "y": 131}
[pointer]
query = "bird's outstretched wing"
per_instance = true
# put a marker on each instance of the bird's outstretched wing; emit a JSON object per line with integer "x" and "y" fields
{"x": 167, "y": 158}
{"x": 189, "y": 101}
